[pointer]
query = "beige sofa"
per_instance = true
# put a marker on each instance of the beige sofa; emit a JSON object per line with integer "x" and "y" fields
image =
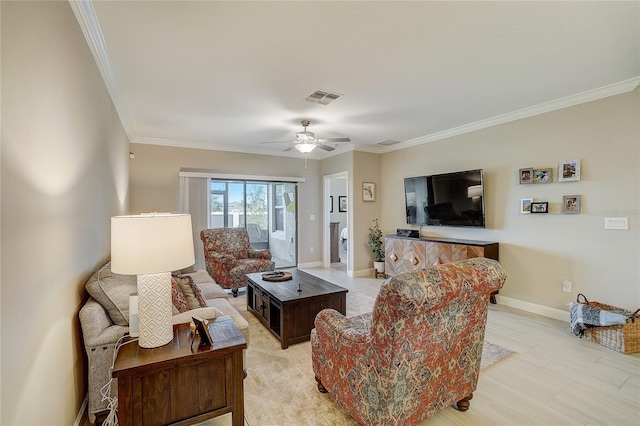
{"x": 104, "y": 319}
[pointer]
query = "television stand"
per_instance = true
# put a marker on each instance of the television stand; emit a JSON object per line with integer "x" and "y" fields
{"x": 403, "y": 254}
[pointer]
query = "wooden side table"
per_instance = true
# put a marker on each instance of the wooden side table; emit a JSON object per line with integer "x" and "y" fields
{"x": 175, "y": 384}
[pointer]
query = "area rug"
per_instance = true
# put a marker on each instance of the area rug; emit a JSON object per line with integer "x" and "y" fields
{"x": 280, "y": 388}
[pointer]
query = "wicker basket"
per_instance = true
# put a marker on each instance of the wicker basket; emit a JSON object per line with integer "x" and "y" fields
{"x": 621, "y": 338}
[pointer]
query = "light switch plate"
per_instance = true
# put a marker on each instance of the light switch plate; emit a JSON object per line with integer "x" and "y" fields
{"x": 616, "y": 223}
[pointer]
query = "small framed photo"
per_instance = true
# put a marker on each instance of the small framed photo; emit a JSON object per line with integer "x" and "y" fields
{"x": 368, "y": 191}
{"x": 342, "y": 204}
{"x": 526, "y": 176}
{"x": 542, "y": 176}
{"x": 569, "y": 171}
{"x": 330, "y": 203}
{"x": 525, "y": 205}
{"x": 570, "y": 204}
{"x": 540, "y": 207}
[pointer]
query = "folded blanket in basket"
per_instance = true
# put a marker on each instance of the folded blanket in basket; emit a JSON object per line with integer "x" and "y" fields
{"x": 583, "y": 316}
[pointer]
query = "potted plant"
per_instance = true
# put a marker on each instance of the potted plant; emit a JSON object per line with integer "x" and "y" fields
{"x": 376, "y": 245}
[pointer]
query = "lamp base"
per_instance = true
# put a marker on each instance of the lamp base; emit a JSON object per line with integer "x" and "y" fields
{"x": 154, "y": 310}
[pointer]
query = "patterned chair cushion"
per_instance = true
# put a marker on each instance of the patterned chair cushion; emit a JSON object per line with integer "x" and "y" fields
{"x": 231, "y": 241}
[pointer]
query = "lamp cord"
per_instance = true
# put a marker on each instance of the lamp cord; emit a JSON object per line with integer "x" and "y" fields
{"x": 105, "y": 391}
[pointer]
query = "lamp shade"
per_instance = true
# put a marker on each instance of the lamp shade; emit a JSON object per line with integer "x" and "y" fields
{"x": 151, "y": 243}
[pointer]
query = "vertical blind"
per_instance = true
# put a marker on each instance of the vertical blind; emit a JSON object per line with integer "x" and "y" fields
{"x": 195, "y": 200}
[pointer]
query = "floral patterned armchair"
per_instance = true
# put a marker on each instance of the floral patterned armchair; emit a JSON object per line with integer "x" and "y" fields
{"x": 419, "y": 350}
{"x": 228, "y": 257}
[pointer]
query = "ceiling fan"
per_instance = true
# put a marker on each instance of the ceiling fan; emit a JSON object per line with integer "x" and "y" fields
{"x": 306, "y": 141}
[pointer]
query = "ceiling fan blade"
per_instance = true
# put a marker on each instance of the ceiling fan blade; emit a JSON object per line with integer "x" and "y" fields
{"x": 325, "y": 147}
{"x": 279, "y": 142}
{"x": 288, "y": 149}
{"x": 335, "y": 140}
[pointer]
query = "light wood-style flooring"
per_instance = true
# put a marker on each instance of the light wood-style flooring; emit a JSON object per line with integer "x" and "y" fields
{"x": 554, "y": 378}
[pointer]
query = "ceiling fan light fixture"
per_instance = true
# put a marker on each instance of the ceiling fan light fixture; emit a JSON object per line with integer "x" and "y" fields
{"x": 305, "y": 136}
{"x": 305, "y": 147}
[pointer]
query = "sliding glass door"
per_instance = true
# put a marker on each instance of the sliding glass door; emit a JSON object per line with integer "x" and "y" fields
{"x": 266, "y": 209}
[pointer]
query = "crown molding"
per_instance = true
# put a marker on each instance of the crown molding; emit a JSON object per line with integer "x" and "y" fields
{"x": 569, "y": 101}
{"x": 317, "y": 154}
{"x": 215, "y": 147}
{"x": 88, "y": 20}
{"x": 370, "y": 148}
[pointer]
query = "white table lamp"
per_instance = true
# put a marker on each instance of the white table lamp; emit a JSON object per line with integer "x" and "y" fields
{"x": 151, "y": 246}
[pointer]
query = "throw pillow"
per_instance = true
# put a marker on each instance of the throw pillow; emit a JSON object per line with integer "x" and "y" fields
{"x": 112, "y": 292}
{"x": 178, "y": 298}
{"x": 192, "y": 293}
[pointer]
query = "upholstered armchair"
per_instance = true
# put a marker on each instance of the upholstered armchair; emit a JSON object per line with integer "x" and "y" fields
{"x": 228, "y": 257}
{"x": 417, "y": 353}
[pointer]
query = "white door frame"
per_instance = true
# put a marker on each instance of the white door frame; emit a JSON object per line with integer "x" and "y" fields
{"x": 326, "y": 222}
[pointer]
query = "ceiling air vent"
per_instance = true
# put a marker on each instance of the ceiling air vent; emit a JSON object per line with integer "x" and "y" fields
{"x": 322, "y": 97}
{"x": 388, "y": 142}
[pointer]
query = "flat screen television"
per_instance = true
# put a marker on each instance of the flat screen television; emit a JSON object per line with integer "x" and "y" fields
{"x": 447, "y": 199}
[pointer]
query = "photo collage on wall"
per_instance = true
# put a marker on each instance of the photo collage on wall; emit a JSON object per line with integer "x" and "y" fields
{"x": 568, "y": 171}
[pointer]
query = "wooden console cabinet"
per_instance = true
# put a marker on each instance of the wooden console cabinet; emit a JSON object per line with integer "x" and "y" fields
{"x": 180, "y": 384}
{"x": 404, "y": 254}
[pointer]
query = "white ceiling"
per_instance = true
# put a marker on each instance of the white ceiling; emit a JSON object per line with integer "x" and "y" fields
{"x": 228, "y": 75}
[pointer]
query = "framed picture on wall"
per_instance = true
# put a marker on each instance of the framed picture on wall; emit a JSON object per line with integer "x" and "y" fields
{"x": 526, "y": 176}
{"x": 525, "y": 205}
{"x": 330, "y": 203}
{"x": 569, "y": 171}
{"x": 368, "y": 191}
{"x": 342, "y": 204}
{"x": 540, "y": 207}
{"x": 542, "y": 176}
{"x": 570, "y": 204}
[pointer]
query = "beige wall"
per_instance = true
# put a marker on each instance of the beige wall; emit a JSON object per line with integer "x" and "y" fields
{"x": 64, "y": 173}
{"x": 154, "y": 183}
{"x": 539, "y": 251}
{"x": 366, "y": 168}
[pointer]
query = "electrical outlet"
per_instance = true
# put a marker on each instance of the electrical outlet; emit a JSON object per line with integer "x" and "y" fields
{"x": 566, "y": 286}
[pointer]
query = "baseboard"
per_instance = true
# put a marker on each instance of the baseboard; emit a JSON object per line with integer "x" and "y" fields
{"x": 363, "y": 273}
{"x": 310, "y": 265}
{"x": 83, "y": 407}
{"x": 534, "y": 308}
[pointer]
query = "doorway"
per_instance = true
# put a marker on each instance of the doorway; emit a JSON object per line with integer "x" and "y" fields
{"x": 336, "y": 222}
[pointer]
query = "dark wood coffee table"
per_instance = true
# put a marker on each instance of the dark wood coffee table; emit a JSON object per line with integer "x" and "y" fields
{"x": 289, "y": 308}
